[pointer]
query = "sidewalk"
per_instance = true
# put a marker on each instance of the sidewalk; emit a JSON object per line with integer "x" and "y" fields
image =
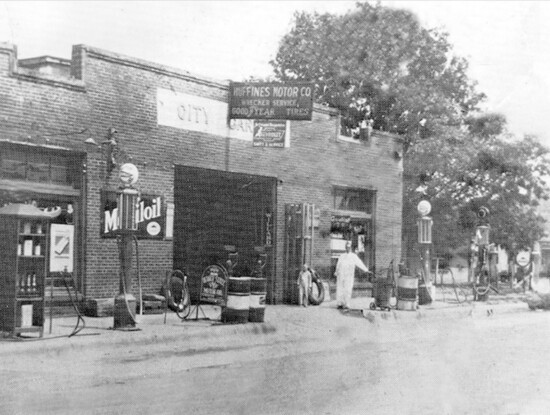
{"x": 281, "y": 322}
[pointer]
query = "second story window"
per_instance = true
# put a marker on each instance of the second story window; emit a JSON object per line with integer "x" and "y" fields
{"x": 356, "y": 121}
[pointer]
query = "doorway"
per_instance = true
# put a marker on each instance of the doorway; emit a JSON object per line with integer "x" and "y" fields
{"x": 214, "y": 210}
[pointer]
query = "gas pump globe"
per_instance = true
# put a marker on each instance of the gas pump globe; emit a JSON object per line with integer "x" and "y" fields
{"x": 127, "y": 201}
{"x": 424, "y": 222}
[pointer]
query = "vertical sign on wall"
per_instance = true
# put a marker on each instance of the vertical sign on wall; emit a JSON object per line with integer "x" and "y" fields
{"x": 62, "y": 247}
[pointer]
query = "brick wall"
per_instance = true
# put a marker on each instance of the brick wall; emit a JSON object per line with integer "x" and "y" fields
{"x": 112, "y": 90}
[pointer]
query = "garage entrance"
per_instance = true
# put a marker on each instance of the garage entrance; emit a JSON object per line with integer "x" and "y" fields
{"x": 216, "y": 209}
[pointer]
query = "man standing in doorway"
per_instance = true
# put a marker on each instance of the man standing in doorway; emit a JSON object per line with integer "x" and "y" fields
{"x": 345, "y": 273}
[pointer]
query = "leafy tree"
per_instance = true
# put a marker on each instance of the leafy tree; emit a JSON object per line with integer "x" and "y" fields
{"x": 380, "y": 66}
{"x": 479, "y": 166}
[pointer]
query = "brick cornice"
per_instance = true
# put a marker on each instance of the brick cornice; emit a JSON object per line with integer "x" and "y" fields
{"x": 151, "y": 67}
{"x": 24, "y": 74}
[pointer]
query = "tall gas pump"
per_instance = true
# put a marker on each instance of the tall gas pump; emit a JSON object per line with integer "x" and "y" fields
{"x": 425, "y": 224}
{"x": 482, "y": 272}
{"x": 127, "y": 202}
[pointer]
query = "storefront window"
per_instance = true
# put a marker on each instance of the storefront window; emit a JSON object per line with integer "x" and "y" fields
{"x": 353, "y": 220}
{"x": 13, "y": 165}
{"x": 39, "y": 166}
{"x": 353, "y": 199}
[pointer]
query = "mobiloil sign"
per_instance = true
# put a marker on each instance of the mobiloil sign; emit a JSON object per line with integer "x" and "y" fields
{"x": 150, "y": 216}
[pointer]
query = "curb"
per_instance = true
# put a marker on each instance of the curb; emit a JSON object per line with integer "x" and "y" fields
{"x": 192, "y": 334}
{"x": 145, "y": 334}
{"x": 438, "y": 311}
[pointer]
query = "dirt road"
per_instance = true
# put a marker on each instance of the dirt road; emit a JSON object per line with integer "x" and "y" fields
{"x": 492, "y": 365}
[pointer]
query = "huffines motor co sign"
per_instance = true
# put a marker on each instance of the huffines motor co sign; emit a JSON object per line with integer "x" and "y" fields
{"x": 271, "y": 100}
{"x": 150, "y": 215}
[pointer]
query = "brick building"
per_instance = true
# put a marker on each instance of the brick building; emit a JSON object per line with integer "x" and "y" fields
{"x": 204, "y": 186}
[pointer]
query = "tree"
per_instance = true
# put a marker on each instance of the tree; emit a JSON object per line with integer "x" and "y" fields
{"x": 478, "y": 166}
{"x": 379, "y": 65}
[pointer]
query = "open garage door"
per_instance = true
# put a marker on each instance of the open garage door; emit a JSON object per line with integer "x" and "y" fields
{"x": 215, "y": 209}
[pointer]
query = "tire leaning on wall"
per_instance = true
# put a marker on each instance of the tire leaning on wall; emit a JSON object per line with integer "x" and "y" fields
{"x": 171, "y": 289}
{"x": 320, "y": 297}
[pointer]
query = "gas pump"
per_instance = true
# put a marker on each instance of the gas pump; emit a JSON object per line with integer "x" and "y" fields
{"x": 425, "y": 224}
{"x": 482, "y": 272}
{"x": 128, "y": 199}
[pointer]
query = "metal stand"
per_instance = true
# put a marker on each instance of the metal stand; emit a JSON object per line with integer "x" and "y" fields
{"x": 196, "y": 310}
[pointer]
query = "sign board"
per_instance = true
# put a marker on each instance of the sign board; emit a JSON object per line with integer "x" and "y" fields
{"x": 150, "y": 214}
{"x": 213, "y": 285}
{"x": 194, "y": 113}
{"x": 62, "y": 247}
{"x": 271, "y": 101}
{"x": 269, "y": 134}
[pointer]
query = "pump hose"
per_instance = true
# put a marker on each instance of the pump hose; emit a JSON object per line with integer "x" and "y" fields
{"x": 76, "y": 329}
{"x": 139, "y": 283}
{"x": 483, "y": 289}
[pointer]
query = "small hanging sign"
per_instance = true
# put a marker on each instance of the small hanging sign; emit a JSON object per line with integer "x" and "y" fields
{"x": 269, "y": 134}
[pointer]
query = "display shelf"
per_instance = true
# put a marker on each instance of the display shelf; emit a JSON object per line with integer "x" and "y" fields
{"x": 28, "y": 329}
{"x": 23, "y": 268}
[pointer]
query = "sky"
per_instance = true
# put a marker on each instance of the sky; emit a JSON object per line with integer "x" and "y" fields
{"x": 507, "y": 43}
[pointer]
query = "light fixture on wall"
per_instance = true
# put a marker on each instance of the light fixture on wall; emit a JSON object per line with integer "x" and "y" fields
{"x": 90, "y": 140}
{"x": 111, "y": 145}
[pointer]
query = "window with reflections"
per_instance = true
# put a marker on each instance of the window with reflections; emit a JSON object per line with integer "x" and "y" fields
{"x": 39, "y": 166}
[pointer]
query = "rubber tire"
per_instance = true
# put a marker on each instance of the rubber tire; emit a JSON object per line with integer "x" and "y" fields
{"x": 313, "y": 300}
{"x": 184, "y": 306}
{"x": 172, "y": 290}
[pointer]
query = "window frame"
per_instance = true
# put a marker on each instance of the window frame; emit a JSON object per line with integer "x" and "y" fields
{"x": 47, "y": 164}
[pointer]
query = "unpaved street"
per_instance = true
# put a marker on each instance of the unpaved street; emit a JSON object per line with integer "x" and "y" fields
{"x": 471, "y": 365}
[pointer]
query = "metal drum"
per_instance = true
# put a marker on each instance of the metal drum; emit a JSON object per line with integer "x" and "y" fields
{"x": 237, "y": 307}
{"x": 258, "y": 293}
{"x": 407, "y": 293}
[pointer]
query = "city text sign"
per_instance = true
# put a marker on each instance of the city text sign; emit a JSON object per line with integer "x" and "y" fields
{"x": 271, "y": 101}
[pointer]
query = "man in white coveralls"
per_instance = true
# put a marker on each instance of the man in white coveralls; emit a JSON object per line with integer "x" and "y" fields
{"x": 345, "y": 273}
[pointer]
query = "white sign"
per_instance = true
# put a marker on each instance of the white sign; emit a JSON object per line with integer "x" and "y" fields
{"x": 62, "y": 246}
{"x": 194, "y": 113}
